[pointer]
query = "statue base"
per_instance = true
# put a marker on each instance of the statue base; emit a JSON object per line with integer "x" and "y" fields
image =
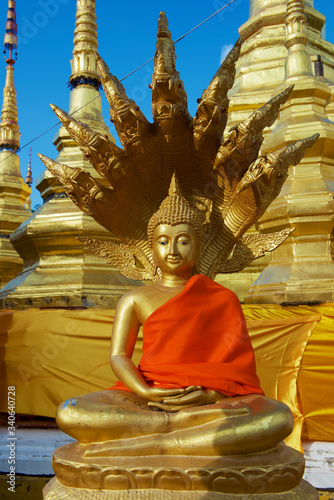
{"x": 56, "y": 491}
{"x": 87, "y": 471}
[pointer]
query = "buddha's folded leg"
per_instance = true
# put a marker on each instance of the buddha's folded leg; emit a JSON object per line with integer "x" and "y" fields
{"x": 266, "y": 424}
{"x": 256, "y": 424}
{"x": 108, "y": 415}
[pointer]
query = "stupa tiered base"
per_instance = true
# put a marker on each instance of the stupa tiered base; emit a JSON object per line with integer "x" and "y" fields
{"x": 81, "y": 473}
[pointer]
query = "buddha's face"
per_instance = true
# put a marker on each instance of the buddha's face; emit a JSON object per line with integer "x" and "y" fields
{"x": 175, "y": 249}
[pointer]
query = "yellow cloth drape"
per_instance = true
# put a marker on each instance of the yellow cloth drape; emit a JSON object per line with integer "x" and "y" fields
{"x": 52, "y": 355}
{"x": 314, "y": 392}
{"x": 279, "y": 345}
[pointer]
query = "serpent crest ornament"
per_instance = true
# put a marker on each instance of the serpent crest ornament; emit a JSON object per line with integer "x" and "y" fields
{"x": 219, "y": 176}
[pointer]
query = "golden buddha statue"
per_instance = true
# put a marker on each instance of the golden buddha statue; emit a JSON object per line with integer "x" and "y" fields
{"x": 192, "y": 416}
{"x": 178, "y": 355}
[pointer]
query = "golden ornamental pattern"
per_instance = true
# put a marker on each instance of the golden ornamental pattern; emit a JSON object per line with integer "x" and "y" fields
{"x": 222, "y": 176}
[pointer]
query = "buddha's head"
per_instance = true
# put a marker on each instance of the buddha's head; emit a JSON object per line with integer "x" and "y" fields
{"x": 175, "y": 249}
{"x": 175, "y": 234}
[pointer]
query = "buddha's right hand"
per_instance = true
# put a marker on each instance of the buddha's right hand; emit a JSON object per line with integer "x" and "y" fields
{"x": 160, "y": 393}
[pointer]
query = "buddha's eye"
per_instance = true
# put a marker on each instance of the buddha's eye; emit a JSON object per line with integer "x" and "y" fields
{"x": 162, "y": 242}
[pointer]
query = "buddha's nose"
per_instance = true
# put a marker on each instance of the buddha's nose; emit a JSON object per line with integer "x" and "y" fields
{"x": 174, "y": 248}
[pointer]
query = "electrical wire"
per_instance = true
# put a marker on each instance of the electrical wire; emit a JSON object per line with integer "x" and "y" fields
{"x": 124, "y": 77}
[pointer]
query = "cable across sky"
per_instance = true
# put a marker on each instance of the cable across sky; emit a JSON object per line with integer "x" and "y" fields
{"x": 129, "y": 74}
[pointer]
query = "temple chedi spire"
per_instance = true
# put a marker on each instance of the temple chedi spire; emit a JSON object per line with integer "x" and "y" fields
{"x": 85, "y": 101}
{"x": 84, "y": 66}
{"x": 261, "y": 65}
{"x": 13, "y": 190}
{"x": 58, "y": 273}
{"x": 29, "y": 181}
{"x": 302, "y": 269}
{"x": 261, "y": 75}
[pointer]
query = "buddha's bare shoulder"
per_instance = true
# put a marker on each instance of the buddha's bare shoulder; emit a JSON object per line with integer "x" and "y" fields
{"x": 138, "y": 293}
{"x": 143, "y": 301}
{"x": 134, "y": 299}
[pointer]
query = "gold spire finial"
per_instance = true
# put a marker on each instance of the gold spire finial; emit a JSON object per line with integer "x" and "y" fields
{"x": 10, "y": 40}
{"x": 29, "y": 179}
{"x": 258, "y": 6}
{"x": 298, "y": 62}
{"x": 84, "y": 67}
{"x": 9, "y": 127}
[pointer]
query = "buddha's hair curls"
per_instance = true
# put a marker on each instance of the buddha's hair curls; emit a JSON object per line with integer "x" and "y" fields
{"x": 175, "y": 209}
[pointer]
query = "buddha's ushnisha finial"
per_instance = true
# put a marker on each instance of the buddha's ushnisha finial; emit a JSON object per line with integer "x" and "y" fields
{"x": 29, "y": 179}
{"x": 298, "y": 62}
{"x": 9, "y": 127}
{"x": 84, "y": 68}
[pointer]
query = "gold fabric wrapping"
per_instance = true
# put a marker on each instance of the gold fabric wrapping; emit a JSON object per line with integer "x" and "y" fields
{"x": 279, "y": 347}
{"x": 52, "y": 355}
{"x": 314, "y": 394}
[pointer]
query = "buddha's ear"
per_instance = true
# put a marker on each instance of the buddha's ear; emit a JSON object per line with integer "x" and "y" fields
{"x": 156, "y": 274}
{"x": 155, "y": 270}
{"x": 197, "y": 265}
{"x": 154, "y": 264}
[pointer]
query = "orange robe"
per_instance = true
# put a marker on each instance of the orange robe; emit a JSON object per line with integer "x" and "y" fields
{"x": 199, "y": 337}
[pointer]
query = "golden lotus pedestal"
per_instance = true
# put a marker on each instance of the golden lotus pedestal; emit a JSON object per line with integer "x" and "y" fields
{"x": 272, "y": 475}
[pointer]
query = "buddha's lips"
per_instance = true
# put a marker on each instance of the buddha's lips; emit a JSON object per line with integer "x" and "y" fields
{"x": 173, "y": 259}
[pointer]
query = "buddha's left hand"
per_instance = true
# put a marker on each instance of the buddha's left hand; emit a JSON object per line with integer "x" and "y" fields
{"x": 195, "y": 398}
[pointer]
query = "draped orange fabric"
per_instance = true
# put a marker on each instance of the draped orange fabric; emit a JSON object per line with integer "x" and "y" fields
{"x": 199, "y": 337}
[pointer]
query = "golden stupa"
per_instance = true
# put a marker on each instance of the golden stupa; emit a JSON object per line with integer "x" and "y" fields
{"x": 57, "y": 272}
{"x": 13, "y": 190}
{"x": 283, "y": 45}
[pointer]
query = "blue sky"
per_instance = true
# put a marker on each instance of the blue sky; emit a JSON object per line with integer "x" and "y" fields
{"x": 126, "y": 34}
